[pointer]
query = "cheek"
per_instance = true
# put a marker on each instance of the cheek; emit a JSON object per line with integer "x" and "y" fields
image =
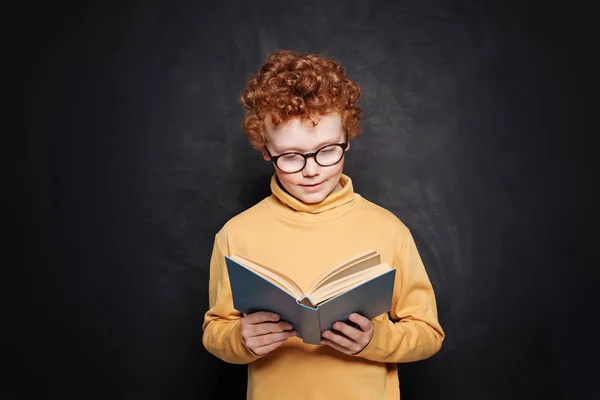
{"x": 336, "y": 169}
{"x": 288, "y": 179}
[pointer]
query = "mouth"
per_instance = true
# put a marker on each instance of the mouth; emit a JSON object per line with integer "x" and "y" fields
{"x": 313, "y": 186}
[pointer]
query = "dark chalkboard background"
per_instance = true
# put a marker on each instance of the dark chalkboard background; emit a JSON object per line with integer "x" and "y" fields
{"x": 477, "y": 125}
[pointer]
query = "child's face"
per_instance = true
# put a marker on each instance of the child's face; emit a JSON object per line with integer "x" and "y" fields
{"x": 313, "y": 183}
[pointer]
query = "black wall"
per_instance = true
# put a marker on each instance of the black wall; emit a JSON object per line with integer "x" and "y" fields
{"x": 477, "y": 125}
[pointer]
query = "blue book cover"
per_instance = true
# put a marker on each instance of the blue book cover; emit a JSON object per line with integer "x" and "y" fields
{"x": 253, "y": 292}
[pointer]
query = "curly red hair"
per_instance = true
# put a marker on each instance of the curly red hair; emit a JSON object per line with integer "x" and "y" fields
{"x": 291, "y": 85}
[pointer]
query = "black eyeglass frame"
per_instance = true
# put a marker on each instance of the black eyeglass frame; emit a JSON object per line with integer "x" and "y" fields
{"x": 274, "y": 159}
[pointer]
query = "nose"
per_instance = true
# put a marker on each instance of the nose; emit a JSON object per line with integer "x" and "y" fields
{"x": 311, "y": 168}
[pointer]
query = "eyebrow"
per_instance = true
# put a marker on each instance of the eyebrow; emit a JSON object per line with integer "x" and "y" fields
{"x": 298, "y": 150}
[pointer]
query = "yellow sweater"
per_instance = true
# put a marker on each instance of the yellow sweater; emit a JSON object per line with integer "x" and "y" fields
{"x": 303, "y": 240}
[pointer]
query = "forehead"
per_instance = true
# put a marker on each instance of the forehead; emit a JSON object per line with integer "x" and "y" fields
{"x": 304, "y": 135}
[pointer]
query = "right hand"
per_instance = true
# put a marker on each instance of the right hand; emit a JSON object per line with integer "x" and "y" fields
{"x": 263, "y": 332}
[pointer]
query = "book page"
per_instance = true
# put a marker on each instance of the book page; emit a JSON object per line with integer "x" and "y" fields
{"x": 276, "y": 277}
{"x": 349, "y": 267}
{"x": 347, "y": 283}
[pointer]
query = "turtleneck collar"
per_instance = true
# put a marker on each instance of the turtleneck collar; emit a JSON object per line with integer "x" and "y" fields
{"x": 337, "y": 203}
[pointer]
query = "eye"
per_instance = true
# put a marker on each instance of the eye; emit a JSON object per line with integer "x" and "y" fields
{"x": 329, "y": 149}
{"x": 289, "y": 157}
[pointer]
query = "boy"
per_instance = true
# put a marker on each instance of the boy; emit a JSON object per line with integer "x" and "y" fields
{"x": 301, "y": 113}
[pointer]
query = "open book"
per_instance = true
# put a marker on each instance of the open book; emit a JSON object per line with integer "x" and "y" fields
{"x": 362, "y": 284}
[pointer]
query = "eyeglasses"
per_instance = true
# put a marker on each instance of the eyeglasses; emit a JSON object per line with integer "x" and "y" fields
{"x": 293, "y": 162}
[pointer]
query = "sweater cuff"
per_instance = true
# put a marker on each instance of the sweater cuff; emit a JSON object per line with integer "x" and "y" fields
{"x": 245, "y": 354}
{"x": 238, "y": 337}
{"x": 372, "y": 348}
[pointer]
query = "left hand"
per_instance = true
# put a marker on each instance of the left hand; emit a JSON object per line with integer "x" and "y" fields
{"x": 353, "y": 340}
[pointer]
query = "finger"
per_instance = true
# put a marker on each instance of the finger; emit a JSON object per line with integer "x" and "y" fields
{"x": 348, "y": 330}
{"x": 336, "y": 346}
{"x": 339, "y": 339}
{"x": 262, "y": 316}
{"x": 363, "y": 322}
{"x": 268, "y": 348}
{"x": 270, "y": 327}
{"x": 265, "y": 340}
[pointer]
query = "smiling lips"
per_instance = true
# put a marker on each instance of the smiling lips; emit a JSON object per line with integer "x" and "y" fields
{"x": 311, "y": 187}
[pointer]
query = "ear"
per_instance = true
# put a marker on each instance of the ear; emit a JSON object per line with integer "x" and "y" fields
{"x": 265, "y": 154}
{"x": 348, "y": 146}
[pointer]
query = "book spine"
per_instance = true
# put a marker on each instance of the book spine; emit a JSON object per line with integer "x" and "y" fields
{"x": 309, "y": 329}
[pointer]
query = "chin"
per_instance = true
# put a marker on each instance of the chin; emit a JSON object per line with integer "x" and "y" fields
{"x": 312, "y": 198}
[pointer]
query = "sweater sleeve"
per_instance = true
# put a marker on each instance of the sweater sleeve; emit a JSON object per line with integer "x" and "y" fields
{"x": 412, "y": 331}
{"x": 222, "y": 332}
